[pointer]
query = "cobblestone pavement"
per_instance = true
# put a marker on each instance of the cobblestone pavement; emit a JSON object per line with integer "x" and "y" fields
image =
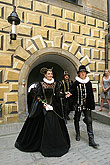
{"x": 80, "y": 152}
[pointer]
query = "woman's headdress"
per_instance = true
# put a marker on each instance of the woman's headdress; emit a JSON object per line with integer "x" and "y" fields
{"x": 44, "y": 70}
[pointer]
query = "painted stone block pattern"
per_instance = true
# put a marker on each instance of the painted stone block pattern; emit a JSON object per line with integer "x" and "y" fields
{"x": 3, "y": 88}
{"x": 56, "y": 11}
{"x": 1, "y": 11}
{"x": 10, "y": 97}
{"x": 11, "y": 118}
{"x": 53, "y": 33}
{"x": 11, "y": 75}
{"x": 7, "y": 11}
{"x": 20, "y": 52}
{"x": 86, "y": 51}
{"x": 80, "y": 18}
{"x": 25, "y": 4}
{"x": 69, "y": 15}
{"x": 17, "y": 64}
{"x": 74, "y": 28}
{"x": 85, "y": 30}
{"x": 102, "y": 55}
{"x": 41, "y": 7}
{"x": 44, "y": 26}
{"x": 62, "y": 25}
{"x": 33, "y": 18}
{"x": 100, "y": 66}
{"x": 91, "y": 42}
{"x": 31, "y": 49}
{"x": 13, "y": 86}
{"x": 1, "y": 42}
{"x": 74, "y": 47}
{"x": 24, "y": 30}
{"x": 68, "y": 37}
{"x": 38, "y": 41}
{"x": 14, "y": 44}
{"x": 4, "y": 26}
{"x": 85, "y": 60}
{"x": 81, "y": 40}
{"x": 8, "y": 1}
{"x": 95, "y": 33}
{"x": 78, "y": 55}
{"x": 103, "y": 34}
{"x": 91, "y": 21}
{"x": 100, "y": 24}
{"x": 41, "y": 31}
{"x": 57, "y": 41}
{"x": 49, "y": 43}
{"x": 65, "y": 46}
{"x": 21, "y": 14}
{"x": 7, "y": 61}
{"x": 100, "y": 43}
{"x": 49, "y": 22}
{"x": 93, "y": 66}
{"x": 95, "y": 54}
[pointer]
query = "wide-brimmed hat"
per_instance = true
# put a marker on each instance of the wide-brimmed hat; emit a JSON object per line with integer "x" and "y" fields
{"x": 66, "y": 73}
{"x": 44, "y": 70}
{"x": 82, "y": 68}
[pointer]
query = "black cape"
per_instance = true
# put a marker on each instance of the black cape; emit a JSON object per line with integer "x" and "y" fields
{"x": 45, "y": 133}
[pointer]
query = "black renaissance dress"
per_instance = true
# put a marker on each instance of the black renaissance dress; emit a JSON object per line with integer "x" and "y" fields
{"x": 45, "y": 132}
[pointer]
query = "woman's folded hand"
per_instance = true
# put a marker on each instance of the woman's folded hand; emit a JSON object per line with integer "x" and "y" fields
{"x": 48, "y": 107}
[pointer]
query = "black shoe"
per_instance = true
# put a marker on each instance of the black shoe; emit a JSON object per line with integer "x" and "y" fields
{"x": 77, "y": 137}
{"x": 93, "y": 144}
{"x": 68, "y": 118}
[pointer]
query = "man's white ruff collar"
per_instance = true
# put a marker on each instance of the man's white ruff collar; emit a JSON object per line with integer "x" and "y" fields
{"x": 48, "y": 81}
{"x": 81, "y": 80}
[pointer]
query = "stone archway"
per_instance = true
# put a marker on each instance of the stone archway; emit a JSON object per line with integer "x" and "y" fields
{"x": 24, "y": 60}
{"x": 34, "y": 60}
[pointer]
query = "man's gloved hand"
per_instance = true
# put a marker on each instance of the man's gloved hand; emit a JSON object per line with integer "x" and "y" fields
{"x": 67, "y": 94}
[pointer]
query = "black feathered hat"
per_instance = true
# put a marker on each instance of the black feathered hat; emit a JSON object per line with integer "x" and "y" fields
{"x": 82, "y": 68}
{"x": 66, "y": 73}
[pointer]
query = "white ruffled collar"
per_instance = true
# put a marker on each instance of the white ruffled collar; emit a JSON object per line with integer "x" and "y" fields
{"x": 86, "y": 80}
{"x": 48, "y": 81}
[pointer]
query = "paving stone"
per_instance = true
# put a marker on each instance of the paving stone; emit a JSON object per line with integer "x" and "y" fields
{"x": 80, "y": 152}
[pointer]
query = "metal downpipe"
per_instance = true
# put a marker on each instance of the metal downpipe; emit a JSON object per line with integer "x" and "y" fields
{"x": 106, "y": 51}
{"x": 107, "y": 36}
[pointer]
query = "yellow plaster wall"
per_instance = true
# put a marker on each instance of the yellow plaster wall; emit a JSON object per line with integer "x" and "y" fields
{"x": 52, "y": 23}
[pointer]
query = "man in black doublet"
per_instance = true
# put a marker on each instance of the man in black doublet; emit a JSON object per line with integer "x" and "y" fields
{"x": 83, "y": 101}
{"x": 66, "y": 84}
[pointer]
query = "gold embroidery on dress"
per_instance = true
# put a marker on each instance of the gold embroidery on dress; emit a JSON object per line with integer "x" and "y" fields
{"x": 45, "y": 85}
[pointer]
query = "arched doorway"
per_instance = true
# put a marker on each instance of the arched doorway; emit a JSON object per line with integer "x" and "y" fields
{"x": 59, "y": 65}
{"x": 60, "y": 60}
{"x": 36, "y": 54}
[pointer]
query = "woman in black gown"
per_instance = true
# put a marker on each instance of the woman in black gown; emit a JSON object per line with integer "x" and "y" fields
{"x": 45, "y": 130}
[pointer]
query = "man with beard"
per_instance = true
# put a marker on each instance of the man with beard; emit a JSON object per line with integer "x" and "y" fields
{"x": 66, "y": 84}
